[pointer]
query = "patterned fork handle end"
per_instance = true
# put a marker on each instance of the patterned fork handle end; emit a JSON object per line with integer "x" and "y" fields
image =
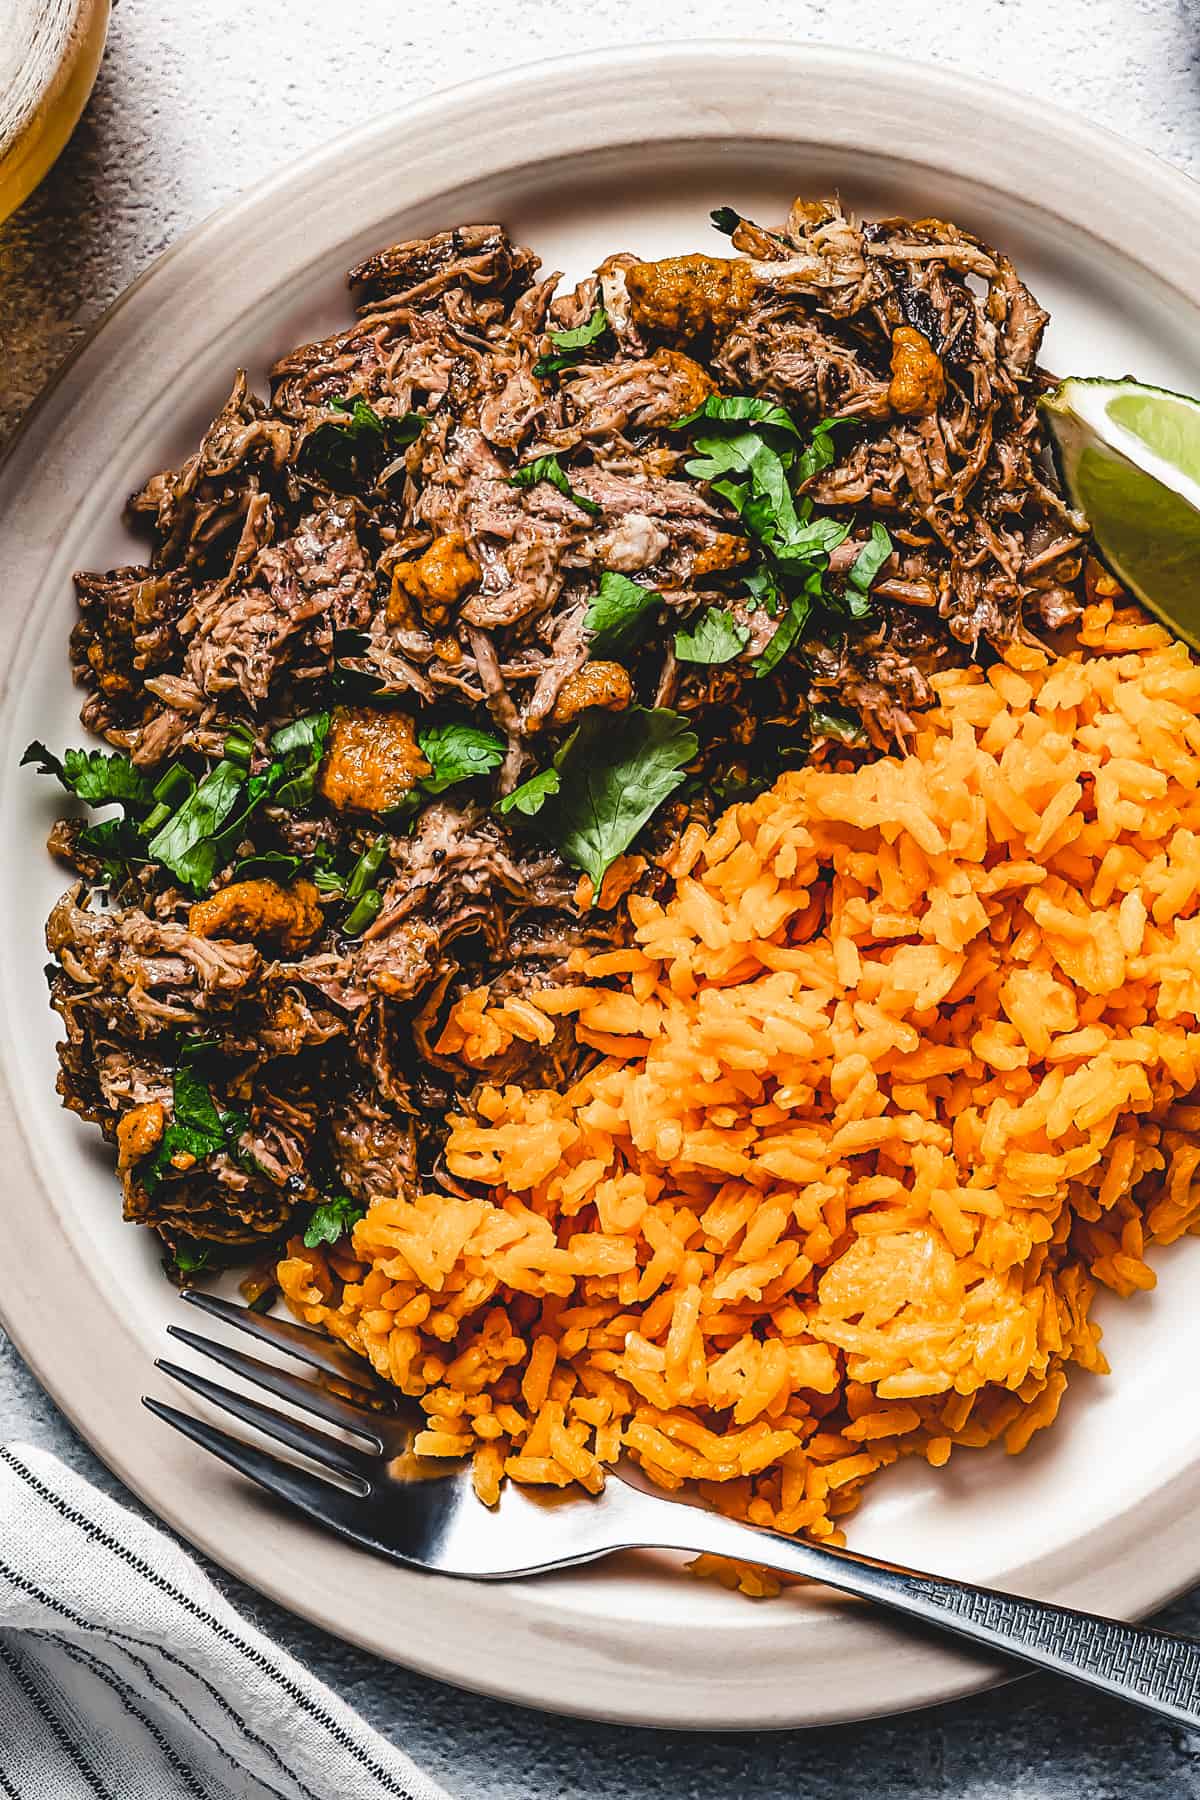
{"x": 1150, "y": 1669}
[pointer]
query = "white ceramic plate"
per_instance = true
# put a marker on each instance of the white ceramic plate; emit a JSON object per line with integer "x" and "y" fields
{"x": 628, "y": 149}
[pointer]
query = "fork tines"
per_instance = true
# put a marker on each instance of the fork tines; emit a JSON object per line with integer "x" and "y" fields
{"x": 359, "y": 1409}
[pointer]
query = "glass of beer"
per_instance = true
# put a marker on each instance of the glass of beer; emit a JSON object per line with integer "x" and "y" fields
{"x": 49, "y": 55}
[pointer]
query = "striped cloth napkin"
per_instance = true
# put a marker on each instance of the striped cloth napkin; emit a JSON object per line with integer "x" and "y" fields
{"x": 125, "y": 1675}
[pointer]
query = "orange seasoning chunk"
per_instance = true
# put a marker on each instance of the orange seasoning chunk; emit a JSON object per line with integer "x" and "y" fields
{"x": 372, "y": 759}
{"x": 434, "y": 580}
{"x": 139, "y": 1131}
{"x": 691, "y": 384}
{"x": 725, "y": 551}
{"x": 918, "y": 382}
{"x": 686, "y": 295}
{"x": 605, "y": 684}
{"x": 262, "y": 908}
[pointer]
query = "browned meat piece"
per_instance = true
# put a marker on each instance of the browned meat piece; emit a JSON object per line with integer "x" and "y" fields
{"x": 151, "y": 977}
{"x": 611, "y": 397}
{"x": 249, "y": 910}
{"x": 685, "y": 296}
{"x": 479, "y": 257}
{"x": 603, "y": 684}
{"x": 375, "y": 1151}
{"x": 297, "y": 592}
{"x": 435, "y": 581}
{"x": 292, "y": 1022}
{"x": 199, "y": 509}
{"x": 127, "y": 629}
{"x": 372, "y": 760}
{"x": 918, "y": 384}
{"x": 402, "y": 961}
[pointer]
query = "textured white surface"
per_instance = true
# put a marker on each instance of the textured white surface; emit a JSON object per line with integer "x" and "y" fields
{"x": 192, "y": 108}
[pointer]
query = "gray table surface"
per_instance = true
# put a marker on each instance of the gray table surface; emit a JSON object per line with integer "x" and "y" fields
{"x": 194, "y": 103}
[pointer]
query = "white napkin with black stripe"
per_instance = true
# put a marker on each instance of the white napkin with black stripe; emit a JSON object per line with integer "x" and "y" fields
{"x": 124, "y": 1675}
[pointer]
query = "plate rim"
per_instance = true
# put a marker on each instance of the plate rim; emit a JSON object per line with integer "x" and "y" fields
{"x": 177, "y": 1490}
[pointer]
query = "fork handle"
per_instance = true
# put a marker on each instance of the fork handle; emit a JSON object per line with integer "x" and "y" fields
{"x": 1152, "y": 1669}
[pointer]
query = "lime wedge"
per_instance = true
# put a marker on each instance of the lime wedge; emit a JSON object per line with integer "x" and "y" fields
{"x": 1129, "y": 458}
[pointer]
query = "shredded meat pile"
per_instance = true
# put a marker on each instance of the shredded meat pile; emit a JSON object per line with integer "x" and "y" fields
{"x": 408, "y": 579}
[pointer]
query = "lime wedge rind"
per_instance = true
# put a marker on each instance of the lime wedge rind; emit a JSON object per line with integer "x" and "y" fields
{"x": 1143, "y": 506}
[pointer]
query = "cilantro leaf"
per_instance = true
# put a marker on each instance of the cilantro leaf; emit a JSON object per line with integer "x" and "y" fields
{"x": 789, "y": 628}
{"x": 99, "y": 780}
{"x": 532, "y": 795}
{"x": 196, "y": 1129}
{"x": 190, "y": 1256}
{"x": 194, "y": 1110}
{"x": 458, "y": 752}
{"x": 764, "y": 589}
{"x": 116, "y": 844}
{"x": 93, "y": 776}
{"x": 716, "y": 637}
{"x": 571, "y": 344}
{"x": 333, "y": 1219}
{"x": 620, "y": 614}
{"x": 869, "y": 560}
{"x": 186, "y": 843}
{"x": 579, "y": 337}
{"x": 738, "y": 408}
{"x": 819, "y": 453}
{"x": 297, "y": 750}
{"x": 787, "y": 530}
{"x": 746, "y": 453}
{"x": 833, "y": 721}
{"x": 548, "y": 468}
{"x": 616, "y": 774}
{"x": 354, "y": 451}
{"x": 327, "y": 877}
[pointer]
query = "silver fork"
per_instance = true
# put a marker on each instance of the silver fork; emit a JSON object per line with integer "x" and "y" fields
{"x": 423, "y": 1512}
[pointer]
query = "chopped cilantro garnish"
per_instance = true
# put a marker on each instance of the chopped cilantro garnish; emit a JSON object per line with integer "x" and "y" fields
{"x": 570, "y": 345}
{"x": 620, "y": 614}
{"x": 829, "y": 720}
{"x": 190, "y": 1257}
{"x": 197, "y": 1130}
{"x": 296, "y": 750}
{"x": 187, "y": 843}
{"x": 332, "y": 1219}
{"x": 716, "y": 637}
{"x": 192, "y": 828}
{"x": 869, "y": 561}
{"x": 93, "y": 776}
{"x": 613, "y": 777}
{"x": 456, "y": 753}
{"x": 819, "y": 453}
{"x": 352, "y": 451}
{"x": 548, "y": 468}
{"x": 738, "y": 409}
{"x": 532, "y": 795}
